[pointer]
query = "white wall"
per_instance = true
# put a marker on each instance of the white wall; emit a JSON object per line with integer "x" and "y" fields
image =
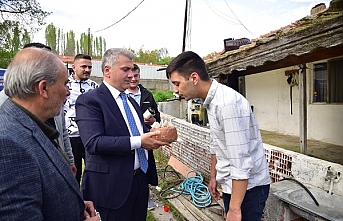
{"x": 147, "y": 71}
{"x": 269, "y": 93}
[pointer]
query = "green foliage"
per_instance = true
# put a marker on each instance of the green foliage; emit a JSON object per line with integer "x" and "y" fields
{"x": 12, "y": 38}
{"x": 18, "y": 20}
{"x": 51, "y": 37}
{"x": 157, "y": 56}
{"x": 67, "y": 44}
{"x": 27, "y": 12}
{"x": 70, "y": 44}
{"x": 150, "y": 217}
{"x": 99, "y": 47}
{"x": 161, "y": 96}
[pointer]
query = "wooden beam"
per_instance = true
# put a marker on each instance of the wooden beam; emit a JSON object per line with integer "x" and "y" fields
{"x": 303, "y": 110}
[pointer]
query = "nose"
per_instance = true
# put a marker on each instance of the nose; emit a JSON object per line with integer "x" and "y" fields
{"x": 68, "y": 92}
{"x": 175, "y": 89}
{"x": 130, "y": 74}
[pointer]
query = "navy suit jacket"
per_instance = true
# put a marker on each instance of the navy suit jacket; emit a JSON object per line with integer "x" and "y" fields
{"x": 36, "y": 182}
{"x": 108, "y": 175}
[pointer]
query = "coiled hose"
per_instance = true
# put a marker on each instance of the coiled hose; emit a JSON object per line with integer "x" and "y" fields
{"x": 193, "y": 186}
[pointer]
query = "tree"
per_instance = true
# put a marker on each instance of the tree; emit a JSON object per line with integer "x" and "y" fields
{"x": 13, "y": 38}
{"x": 27, "y": 12}
{"x": 51, "y": 37}
{"x": 18, "y": 20}
{"x": 99, "y": 46}
{"x": 70, "y": 44}
{"x": 67, "y": 44}
{"x": 160, "y": 56}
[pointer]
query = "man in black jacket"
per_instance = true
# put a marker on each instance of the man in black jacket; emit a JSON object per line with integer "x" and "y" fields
{"x": 144, "y": 98}
{"x": 147, "y": 103}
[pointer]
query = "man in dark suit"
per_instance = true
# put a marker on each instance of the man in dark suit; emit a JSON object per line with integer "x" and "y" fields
{"x": 115, "y": 178}
{"x": 36, "y": 180}
{"x": 148, "y": 105}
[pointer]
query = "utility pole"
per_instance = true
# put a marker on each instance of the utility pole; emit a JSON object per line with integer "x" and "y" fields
{"x": 185, "y": 28}
{"x": 89, "y": 42}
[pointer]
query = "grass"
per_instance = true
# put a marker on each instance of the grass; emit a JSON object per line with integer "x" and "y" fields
{"x": 161, "y": 96}
{"x": 150, "y": 217}
{"x": 165, "y": 182}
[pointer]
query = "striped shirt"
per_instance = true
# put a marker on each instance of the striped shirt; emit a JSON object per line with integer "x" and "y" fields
{"x": 235, "y": 138}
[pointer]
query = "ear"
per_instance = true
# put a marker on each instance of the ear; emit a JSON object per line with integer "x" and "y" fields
{"x": 107, "y": 71}
{"x": 43, "y": 88}
{"x": 194, "y": 77}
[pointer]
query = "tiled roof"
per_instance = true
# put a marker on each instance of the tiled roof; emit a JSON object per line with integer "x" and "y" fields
{"x": 304, "y": 36}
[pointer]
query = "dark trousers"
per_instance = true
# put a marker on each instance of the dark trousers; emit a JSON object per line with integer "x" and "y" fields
{"x": 79, "y": 154}
{"x": 135, "y": 207}
{"x": 253, "y": 203}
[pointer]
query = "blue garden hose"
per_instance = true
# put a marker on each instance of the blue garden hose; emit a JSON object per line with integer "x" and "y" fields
{"x": 194, "y": 186}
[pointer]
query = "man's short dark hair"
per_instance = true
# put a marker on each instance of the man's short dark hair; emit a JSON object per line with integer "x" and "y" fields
{"x": 186, "y": 63}
{"x": 37, "y": 45}
{"x": 135, "y": 68}
{"x": 82, "y": 56}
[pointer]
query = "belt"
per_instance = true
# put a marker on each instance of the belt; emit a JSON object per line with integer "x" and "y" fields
{"x": 137, "y": 171}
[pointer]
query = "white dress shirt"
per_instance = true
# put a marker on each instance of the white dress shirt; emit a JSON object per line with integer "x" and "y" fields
{"x": 134, "y": 140}
{"x": 235, "y": 138}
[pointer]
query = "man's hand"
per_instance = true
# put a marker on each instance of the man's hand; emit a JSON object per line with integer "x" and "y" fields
{"x": 149, "y": 121}
{"x": 89, "y": 209}
{"x": 212, "y": 186}
{"x": 234, "y": 215}
{"x": 73, "y": 169}
{"x": 150, "y": 143}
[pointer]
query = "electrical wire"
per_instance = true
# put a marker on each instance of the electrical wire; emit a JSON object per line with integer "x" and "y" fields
{"x": 121, "y": 18}
{"x": 239, "y": 20}
{"x": 214, "y": 9}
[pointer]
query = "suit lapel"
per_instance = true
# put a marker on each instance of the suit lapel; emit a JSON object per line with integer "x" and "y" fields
{"x": 113, "y": 106}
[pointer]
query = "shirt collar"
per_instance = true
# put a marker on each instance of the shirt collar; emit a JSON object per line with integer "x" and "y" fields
{"x": 72, "y": 79}
{"x": 115, "y": 93}
{"x": 51, "y": 133}
{"x": 136, "y": 94}
{"x": 211, "y": 93}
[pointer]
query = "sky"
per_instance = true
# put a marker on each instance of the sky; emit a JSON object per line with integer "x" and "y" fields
{"x": 157, "y": 24}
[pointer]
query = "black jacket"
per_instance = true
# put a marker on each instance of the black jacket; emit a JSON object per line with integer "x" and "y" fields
{"x": 147, "y": 100}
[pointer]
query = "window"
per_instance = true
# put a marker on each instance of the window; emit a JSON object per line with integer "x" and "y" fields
{"x": 328, "y": 82}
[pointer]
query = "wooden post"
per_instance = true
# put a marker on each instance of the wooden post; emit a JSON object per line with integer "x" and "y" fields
{"x": 302, "y": 110}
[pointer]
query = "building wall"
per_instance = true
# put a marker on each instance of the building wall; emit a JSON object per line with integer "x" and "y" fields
{"x": 151, "y": 76}
{"x": 193, "y": 150}
{"x": 269, "y": 93}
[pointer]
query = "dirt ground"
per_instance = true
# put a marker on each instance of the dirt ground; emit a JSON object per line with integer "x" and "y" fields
{"x": 321, "y": 150}
{"x": 158, "y": 211}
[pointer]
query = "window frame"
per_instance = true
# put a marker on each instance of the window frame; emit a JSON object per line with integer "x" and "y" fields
{"x": 328, "y": 81}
